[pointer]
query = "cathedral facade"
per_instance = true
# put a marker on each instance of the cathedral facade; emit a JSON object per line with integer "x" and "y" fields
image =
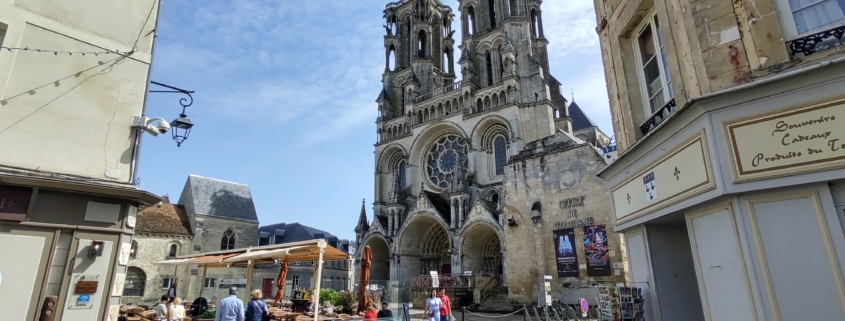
{"x": 443, "y": 143}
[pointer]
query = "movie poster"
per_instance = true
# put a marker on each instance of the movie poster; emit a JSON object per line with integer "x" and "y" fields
{"x": 567, "y": 259}
{"x": 597, "y": 251}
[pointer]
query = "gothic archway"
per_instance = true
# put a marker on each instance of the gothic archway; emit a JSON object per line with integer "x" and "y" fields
{"x": 380, "y": 266}
{"x": 482, "y": 250}
{"x": 424, "y": 245}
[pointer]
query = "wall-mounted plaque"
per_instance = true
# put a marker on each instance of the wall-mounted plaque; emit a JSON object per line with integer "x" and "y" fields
{"x": 86, "y": 287}
{"x": 123, "y": 256}
{"x": 117, "y": 286}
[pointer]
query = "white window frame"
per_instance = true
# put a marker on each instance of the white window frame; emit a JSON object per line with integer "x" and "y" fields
{"x": 169, "y": 281}
{"x": 649, "y": 21}
{"x": 206, "y": 282}
{"x": 295, "y": 281}
{"x": 787, "y": 21}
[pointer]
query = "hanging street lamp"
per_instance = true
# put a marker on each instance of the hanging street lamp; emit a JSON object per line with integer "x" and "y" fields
{"x": 181, "y": 126}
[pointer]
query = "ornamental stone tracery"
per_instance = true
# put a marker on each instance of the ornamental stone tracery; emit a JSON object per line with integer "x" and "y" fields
{"x": 443, "y": 158}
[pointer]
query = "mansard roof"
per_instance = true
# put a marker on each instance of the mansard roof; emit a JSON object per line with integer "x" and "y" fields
{"x": 164, "y": 218}
{"x": 218, "y": 198}
{"x": 580, "y": 120}
{"x": 296, "y": 232}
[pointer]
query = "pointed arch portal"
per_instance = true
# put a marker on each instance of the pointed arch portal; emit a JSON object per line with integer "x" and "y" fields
{"x": 482, "y": 251}
{"x": 424, "y": 246}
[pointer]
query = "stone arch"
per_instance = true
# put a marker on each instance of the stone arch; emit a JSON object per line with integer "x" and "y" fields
{"x": 503, "y": 97}
{"x": 431, "y": 132}
{"x": 487, "y": 103}
{"x": 418, "y": 250}
{"x": 482, "y": 244}
{"x": 380, "y": 247}
{"x": 479, "y": 105}
{"x": 388, "y": 156}
{"x": 495, "y": 101}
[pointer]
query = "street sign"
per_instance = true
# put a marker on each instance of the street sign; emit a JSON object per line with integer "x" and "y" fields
{"x": 584, "y": 307}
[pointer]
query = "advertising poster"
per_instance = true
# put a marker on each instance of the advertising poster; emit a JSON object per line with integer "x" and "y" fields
{"x": 567, "y": 259}
{"x": 597, "y": 251}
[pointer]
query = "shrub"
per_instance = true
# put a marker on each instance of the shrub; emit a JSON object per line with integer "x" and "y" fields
{"x": 348, "y": 300}
{"x": 329, "y": 295}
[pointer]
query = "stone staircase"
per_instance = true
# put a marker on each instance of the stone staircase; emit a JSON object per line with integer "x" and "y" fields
{"x": 496, "y": 299}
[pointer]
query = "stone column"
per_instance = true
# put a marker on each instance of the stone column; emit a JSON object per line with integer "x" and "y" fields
{"x": 462, "y": 210}
{"x": 540, "y": 23}
{"x": 454, "y": 213}
{"x": 390, "y": 223}
{"x": 540, "y": 259}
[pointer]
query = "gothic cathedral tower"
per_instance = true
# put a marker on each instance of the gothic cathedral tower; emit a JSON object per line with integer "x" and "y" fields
{"x": 443, "y": 143}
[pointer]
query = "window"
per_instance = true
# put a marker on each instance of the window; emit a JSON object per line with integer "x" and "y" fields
{"x": 470, "y": 20}
{"x": 172, "y": 252}
{"x": 135, "y": 282}
{"x": 514, "y": 9}
{"x": 133, "y": 251}
{"x": 421, "y": 41}
{"x": 166, "y": 282}
{"x": 263, "y": 241}
{"x": 495, "y": 198}
{"x": 801, "y": 17}
{"x": 491, "y": 7}
{"x": 228, "y": 240}
{"x": 278, "y": 239}
{"x": 209, "y": 283}
{"x": 654, "y": 74}
{"x": 489, "y": 62}
{"x": 501, "y": 64}
{"x": 400, "y": 175}
{"x": 500, "y": 150}
{"x": 295, "y": 281}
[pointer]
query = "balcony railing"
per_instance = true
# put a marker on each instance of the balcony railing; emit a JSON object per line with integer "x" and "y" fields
{"x": 444, "y": 281}
{"x": 438, "y": 91}
{"x": 818, "y": 42}
{"x": 658, "y": 117}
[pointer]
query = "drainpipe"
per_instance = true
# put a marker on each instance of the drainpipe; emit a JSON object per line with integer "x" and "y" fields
{"x": 139, "y": 133}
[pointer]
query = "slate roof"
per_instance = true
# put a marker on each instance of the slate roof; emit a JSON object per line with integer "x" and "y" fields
{"x": 295, "y": 232}
{"x": 580, "y": 120}
{"x": 164, "y": 218}
{"x": 218, "y": 198}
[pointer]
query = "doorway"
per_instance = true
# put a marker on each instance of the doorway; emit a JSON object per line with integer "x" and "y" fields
{"x": 267, "y": 288}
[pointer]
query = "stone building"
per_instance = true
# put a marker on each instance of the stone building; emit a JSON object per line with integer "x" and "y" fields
{"x": 552, "y": 193}
{"x": 443, "y": 143}
{"x": 211, "y": 215}
{"x": 163, "y": 232}
{"x": 729, "y": 120}
{"x": 69, "y": 153}
{"x": 337, "y": 275}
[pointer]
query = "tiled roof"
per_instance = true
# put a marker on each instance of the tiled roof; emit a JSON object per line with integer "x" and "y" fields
{"x": 214, "y": 197}
{"x": 164, "y": 218}
{"x": 580, "y": 120}
{"x": 295, "y": 232}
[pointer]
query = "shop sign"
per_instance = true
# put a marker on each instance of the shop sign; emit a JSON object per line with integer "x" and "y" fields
{"x": 799, "y": 140}
{"x": 572, "y": 202}
{"x": 14, "y": 202}
{"x": 574, "y": 224}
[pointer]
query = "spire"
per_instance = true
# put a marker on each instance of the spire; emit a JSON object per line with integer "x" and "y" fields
{"x": 362, "y": 219}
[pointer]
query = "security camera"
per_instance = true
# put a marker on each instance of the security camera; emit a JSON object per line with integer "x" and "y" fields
{"x": 147, "y": 125}
{"x": 163, "y": 127}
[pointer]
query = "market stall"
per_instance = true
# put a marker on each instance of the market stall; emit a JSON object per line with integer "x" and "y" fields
{"x": 305, "y": 251}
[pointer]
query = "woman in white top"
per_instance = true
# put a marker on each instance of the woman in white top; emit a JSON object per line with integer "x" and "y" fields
{"x": 177, "y": 310}
{"x": 432, "y": 307}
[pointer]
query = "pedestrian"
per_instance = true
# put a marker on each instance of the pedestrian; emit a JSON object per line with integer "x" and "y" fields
{"x": 384, "y": 312}
{"x": 446, "y": 308}
{"x": 256, "y": 309}
{"x": 176, "y": 311}
{"x": 432, "y": 306}
{"x": 231, "y": 308}
{"x": 161, "y": 308}
{"x": 371, "y": 313}
{"x": 171, "y": 292}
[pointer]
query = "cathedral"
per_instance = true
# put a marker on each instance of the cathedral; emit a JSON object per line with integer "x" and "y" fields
{"x": 445, "y": 137}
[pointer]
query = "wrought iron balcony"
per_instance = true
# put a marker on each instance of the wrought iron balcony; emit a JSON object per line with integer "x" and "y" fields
{"x": 658, "y": 117}
{"x": 818, "y": 42}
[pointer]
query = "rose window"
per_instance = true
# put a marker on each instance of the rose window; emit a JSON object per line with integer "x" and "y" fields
{"x": 443, "y": 159}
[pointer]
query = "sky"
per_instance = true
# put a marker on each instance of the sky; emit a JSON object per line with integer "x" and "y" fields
{"x": 285, "y": 98}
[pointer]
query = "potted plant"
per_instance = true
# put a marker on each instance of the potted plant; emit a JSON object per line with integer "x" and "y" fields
{"x": 206, "y": 316}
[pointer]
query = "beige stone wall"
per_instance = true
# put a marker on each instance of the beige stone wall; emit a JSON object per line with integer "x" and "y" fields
{"x": 153, "y": 249}
{"x": 529, "y": 247}
{"x": 710, "y": 45}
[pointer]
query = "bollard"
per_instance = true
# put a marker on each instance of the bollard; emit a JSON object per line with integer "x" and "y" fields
{"x": 463, "y": 313}
{"x": 524, "y": 313}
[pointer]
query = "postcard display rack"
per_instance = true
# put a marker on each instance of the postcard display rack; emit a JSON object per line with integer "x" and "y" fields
{"x": 620, "y": 304}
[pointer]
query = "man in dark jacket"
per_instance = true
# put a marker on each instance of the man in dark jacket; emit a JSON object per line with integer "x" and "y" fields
{"x": 384, "y": 312}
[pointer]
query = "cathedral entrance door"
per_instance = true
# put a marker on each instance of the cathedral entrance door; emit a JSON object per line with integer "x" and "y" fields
{"x": 446, "y": 269}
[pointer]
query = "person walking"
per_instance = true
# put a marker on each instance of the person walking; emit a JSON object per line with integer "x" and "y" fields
{"x": 432, "y": 306}
{"x": 176, "y": 311}
{"x": 171, "y": 292}
{"x": 446, "y": 308}
{"x": 256, "y": 309}
{"x": 231, "y": 308}
{"x": 161, "y": 308}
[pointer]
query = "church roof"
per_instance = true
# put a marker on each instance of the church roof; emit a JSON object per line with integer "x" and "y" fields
{"x": 218, "y": 198}
{"x": 363, "y": 225}
{"x": 464, "y": 56}
{"x": 580, "y": 120}
{"x": 383, "y": 95}
{"x": 164, "y": 218}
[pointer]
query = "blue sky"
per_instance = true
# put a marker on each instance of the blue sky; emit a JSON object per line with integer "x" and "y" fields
{"x": 285, "y": 93}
